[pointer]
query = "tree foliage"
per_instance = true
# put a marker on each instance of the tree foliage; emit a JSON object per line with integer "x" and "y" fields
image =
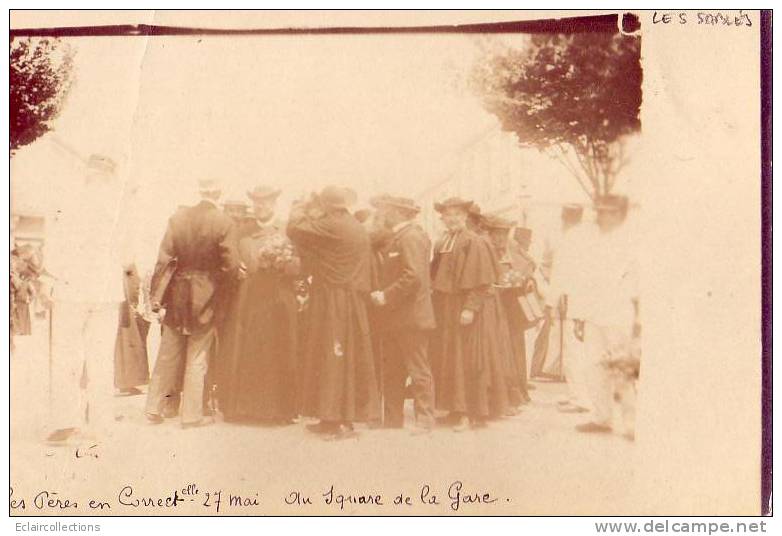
{"x": 576, "y": 95}
{"x": 39, "y": 78}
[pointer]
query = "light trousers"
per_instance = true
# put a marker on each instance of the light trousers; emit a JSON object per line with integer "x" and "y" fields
{"x": 573, "y": 363}
{"x": 82, "y": 365}
{"x": 192, "y": 351}
{"x": 598, "y": 341}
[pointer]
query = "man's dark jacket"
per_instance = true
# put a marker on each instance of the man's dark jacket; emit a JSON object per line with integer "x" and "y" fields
{"x": 199, "y": 255}
{"x": 404, "y": 279}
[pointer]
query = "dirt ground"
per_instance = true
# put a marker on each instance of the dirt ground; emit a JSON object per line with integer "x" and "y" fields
{"x": 533, "y": 463}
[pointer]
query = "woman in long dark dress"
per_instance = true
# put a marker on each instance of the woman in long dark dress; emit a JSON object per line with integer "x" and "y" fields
{"x": 26, "y": 267}
{"x": 515, "y": 270}
{"x": 131, "y": 363}
{"x": 493, "y": 338}
{"x": 258, "y": 348}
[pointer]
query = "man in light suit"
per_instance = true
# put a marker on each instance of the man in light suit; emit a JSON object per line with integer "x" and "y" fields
{"x": 603, "y": 302}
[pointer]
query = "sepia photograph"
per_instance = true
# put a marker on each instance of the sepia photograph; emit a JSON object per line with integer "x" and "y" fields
{"x": 388, "y": 263}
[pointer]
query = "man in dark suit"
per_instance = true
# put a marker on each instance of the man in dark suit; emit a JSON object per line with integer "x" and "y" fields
{"x": 406, "y": 314}
{"x": 197, "y": 257}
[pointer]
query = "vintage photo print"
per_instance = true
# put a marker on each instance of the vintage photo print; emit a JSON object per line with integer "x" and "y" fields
{"x": 388, "y": 263}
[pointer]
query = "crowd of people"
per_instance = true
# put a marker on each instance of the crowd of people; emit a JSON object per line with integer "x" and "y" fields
{"x": 339, "y": 315}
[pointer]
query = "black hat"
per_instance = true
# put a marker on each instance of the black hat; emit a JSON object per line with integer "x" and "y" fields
{"x": 336, "y": 197}
{"x": 454, "y": 202}
{"x": 405, "y": 203}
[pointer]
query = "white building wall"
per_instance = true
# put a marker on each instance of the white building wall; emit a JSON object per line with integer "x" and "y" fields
{"x": 522, "y": 184}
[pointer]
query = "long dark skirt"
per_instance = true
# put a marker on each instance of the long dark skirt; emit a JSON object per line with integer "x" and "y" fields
{"x": 340, "y": 384}
{"x": 467, "y": 360}
{"x": 20, "y": 318}
{"x": 131, "y": 363}
{"x": 517, "y": 326}
{"x": 257, "y": 363}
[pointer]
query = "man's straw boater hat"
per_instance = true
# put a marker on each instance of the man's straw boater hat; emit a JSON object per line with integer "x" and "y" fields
{"x": 454, "y": 202}
{"x": 262, "y": 192}
{"x": 404, "y": 203}
{"x": 337, "y": 197}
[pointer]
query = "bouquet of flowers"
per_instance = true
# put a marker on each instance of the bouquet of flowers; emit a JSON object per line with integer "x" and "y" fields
{"x": 302, "y": 289}
{"x": 278, "y": 253}
{"x": 144, "y": 306}
{"x": 511, "y": 279}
